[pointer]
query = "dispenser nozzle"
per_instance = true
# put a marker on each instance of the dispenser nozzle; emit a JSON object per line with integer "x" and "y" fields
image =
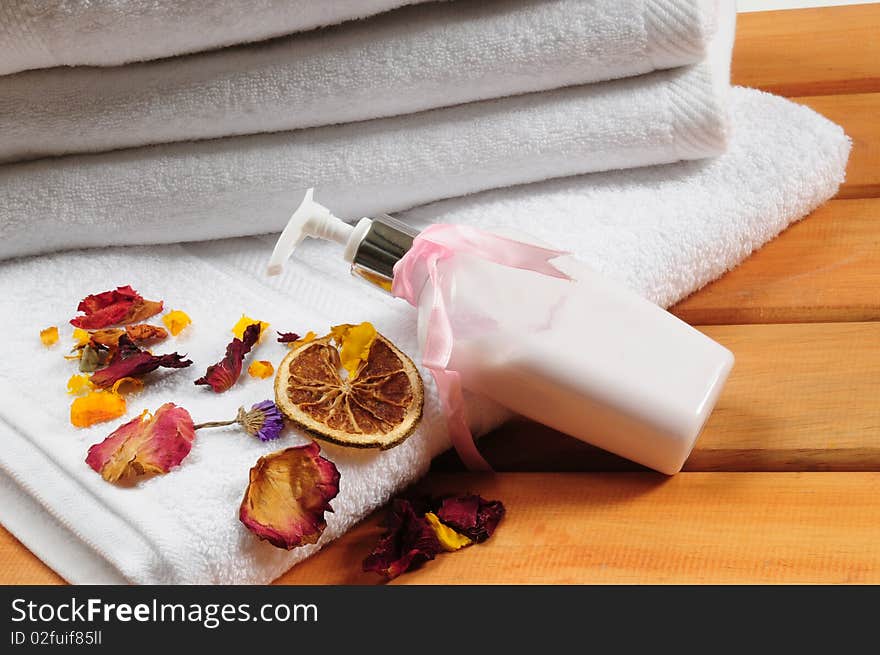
{"x": 311, "y": 219}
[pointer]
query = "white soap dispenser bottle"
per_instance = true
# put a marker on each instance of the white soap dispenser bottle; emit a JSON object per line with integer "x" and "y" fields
{"x": 537, "y": 331}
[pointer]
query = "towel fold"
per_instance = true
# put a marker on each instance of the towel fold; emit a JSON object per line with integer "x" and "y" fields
{"x": 45, "y": 33}
{"x": 247, "y": 185}
{"x": 414, "y": 59}
{"x": 665, "y": 231}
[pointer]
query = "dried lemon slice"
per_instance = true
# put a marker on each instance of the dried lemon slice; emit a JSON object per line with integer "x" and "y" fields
{"x": 377, "y": 407}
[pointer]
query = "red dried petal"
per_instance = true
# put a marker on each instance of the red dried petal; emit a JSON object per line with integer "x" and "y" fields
{"x": 116, "y": 307}
{"x": 409, "y": 542}
{"x": 287, "y": 337}
{"x": 222, "y": 375}
{"x": 144, "y": 445}
{"x": 288, "y": 493}
{"x": 470, "y": 515}
{"x": 132, "y": 362}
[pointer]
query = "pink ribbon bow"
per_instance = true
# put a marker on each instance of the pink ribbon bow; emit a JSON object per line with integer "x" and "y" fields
{"x": 434, "y": 244}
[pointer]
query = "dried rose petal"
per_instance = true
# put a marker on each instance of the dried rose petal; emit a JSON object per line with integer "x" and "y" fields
{"x": 146, "y": 333}
{"x": 287, "y": 337}
{"x": 245, "y": 322}
{"x": 132, "y": 362}
{"x": 470, "y": 515}
{"x": 118, "y": 307}
{"x": 409, "y": 542}
{"x": 288, "y": 494}
{"x": 108, "y": 337}
{"x": 144, "y": 445}
{"x": 222, "y": 375}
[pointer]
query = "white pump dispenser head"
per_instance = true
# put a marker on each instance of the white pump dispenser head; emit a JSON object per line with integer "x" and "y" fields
{"x": 312, "y": 219}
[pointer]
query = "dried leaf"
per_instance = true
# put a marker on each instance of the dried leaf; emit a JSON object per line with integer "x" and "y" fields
{"x": 91, "y": 358}
{"x": 288, "y": 494}
{"x": 176, "y": 321}
{"x": 409, "y": 542}
{"x": 118, "y": 307}
{"x": 131, "y": 361}
{"x": 96, "y": 407}
{"x": 145, "y": 445}
{"x": 222, "y": 375}
{"x": 49, "y": 336}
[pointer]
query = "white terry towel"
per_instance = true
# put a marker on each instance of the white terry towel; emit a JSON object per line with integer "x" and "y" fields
{"x": 45, "y": 33}
{"x": 665, "y": 231}
{"x": 410, "y": 60}
{"x": 247, "y": 185}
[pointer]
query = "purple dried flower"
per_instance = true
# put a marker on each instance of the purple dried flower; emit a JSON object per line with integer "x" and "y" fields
{"x": 264, "y": 421}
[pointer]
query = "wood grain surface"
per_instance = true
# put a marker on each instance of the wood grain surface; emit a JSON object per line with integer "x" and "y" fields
{"x": 623, "y": 528}
{"x": 821, "y": 51}
{"x": 858, "y": 114}
{"x": 647, "y": 528}
{"x": 823, "y": 269}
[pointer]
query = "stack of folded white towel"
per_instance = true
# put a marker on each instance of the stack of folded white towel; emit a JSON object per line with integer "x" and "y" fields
{"x": 119, "y": 125}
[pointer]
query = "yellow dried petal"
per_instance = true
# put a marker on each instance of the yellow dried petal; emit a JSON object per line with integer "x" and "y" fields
{"x": 355, "y": 342}
{"x": 176, "y": 321}
{"x": 449, "y": 538}
{"x": 310, "y": 336}
{"x": 131, "y": 385}
{"x": 79, "y": 384}
{"x": 82, "y": 337}
{"x": 243, "y": 323}
{"x": 96, "y": 407}
{"x": 261, "y": 369}
{"x": 49, "y": 336}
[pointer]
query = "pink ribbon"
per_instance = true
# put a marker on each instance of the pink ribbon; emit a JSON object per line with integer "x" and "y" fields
{"x": 434, "y": 244}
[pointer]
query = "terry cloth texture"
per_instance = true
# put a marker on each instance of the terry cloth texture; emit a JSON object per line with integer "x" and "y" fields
{"x": 442, "y": 54}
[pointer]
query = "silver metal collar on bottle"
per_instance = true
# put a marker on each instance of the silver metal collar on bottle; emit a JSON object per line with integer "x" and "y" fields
{"x": 384, "y": 244}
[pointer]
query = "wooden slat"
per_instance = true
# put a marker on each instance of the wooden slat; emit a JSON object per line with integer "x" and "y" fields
{"x": 644, "y": 528}
{"x": 18, "y": 565}
{"x": 801, "y": 397}
{"x": 824, "y": 269}
{"x": 624, "y": 528}
{"x": 821, "y": 51}
{"x": 858, "y": 115}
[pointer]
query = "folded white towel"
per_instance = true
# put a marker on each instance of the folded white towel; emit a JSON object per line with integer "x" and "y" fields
{"x": 44, "y": 33}
{"x": 417, "y": 58}
{"x": 665, "y": 231}
{"x": 247, "y": 185}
